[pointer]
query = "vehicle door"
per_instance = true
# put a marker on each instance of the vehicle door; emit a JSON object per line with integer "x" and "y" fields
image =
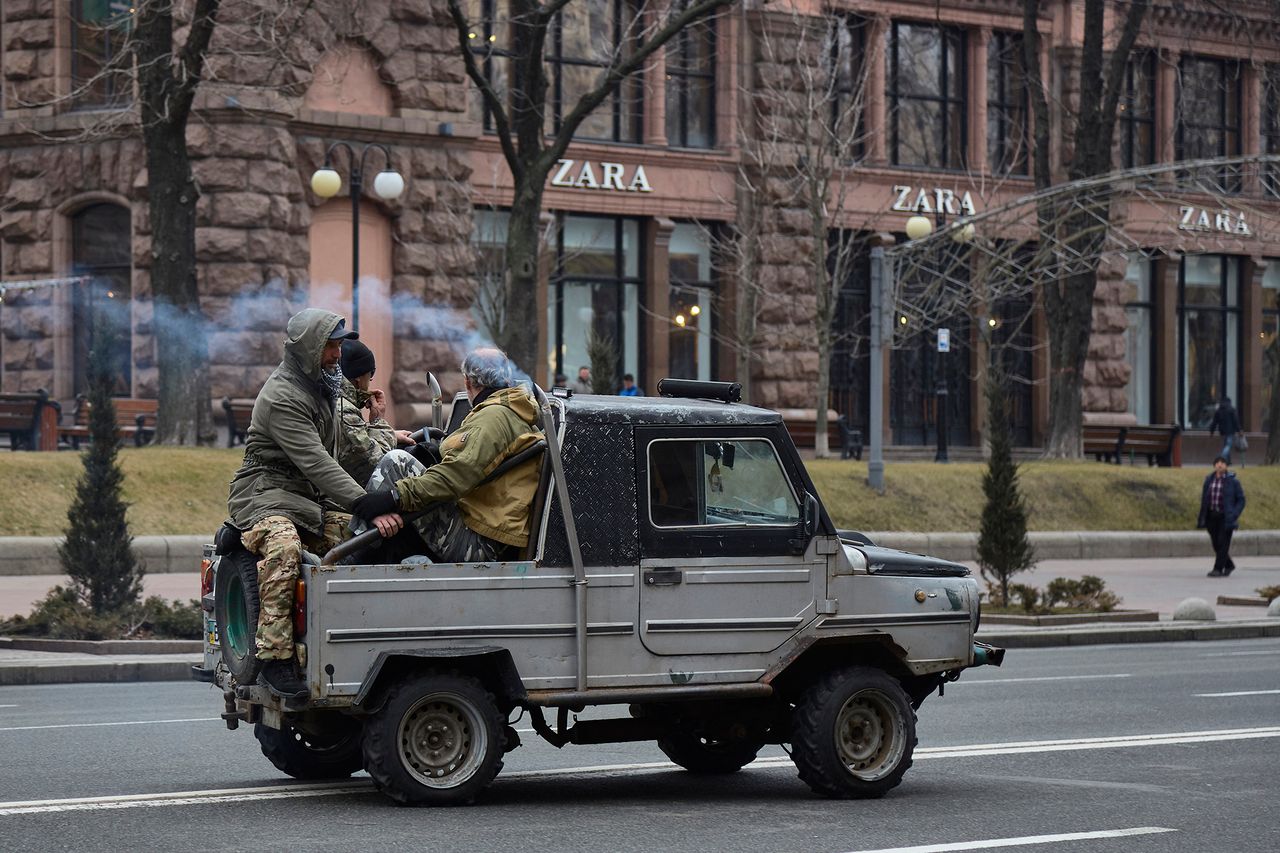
{"x": 726, "y": 565}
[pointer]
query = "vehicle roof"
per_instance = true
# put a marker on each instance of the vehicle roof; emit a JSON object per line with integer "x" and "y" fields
{"x": 678, "y": 411}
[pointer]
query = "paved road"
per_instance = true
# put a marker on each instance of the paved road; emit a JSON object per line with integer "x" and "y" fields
{"x": 1063, "y": 748}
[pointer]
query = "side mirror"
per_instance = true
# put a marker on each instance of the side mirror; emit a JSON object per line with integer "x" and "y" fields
{"x": 810, "y": 515}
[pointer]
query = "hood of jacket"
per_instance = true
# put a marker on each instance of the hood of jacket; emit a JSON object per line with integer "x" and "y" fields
{"x": 516, "y": 399}
{"x": 306, "y": 335}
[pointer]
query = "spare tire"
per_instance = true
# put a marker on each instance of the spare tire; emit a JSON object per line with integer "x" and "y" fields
{"x": 235, "y": 606}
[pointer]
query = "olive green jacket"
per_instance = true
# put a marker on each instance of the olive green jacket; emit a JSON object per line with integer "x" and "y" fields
{"x": 502, "y": 425}
{"x": 361, "y": 443}
{"x": 289, "y": 464}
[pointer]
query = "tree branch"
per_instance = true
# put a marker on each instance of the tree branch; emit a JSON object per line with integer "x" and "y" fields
{"x": 501, "y": 123}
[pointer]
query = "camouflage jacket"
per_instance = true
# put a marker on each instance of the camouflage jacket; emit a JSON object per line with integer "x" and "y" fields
{"x": 361, "y": 443}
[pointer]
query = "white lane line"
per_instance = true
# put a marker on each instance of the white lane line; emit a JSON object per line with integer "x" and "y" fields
{"x": 8, "y": 706}
{"x": 1042, "y": 678}
{"x": 1242, "y": 693}
{"x": 1026, "y": 839}
{"x": 278, "y": 792}
{"x": 99, "y": 725}
{"x": 1239, "y": 654}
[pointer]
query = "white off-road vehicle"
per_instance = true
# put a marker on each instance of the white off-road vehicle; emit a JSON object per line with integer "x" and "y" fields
{"x": 681, "y": 569}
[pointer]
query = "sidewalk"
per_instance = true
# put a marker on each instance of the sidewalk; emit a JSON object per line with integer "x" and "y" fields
{"x": 1158, "y": 584}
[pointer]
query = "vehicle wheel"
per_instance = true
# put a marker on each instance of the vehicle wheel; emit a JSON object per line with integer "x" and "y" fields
{"x": 853, "y": 733}
{"x": 329, "y": 751}
{"x": 438, "y": 740}
{"x": 706, "y": 755}
{"x": 235, "y": 606}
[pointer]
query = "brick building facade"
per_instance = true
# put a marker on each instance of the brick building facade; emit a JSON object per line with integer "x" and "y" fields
{"x": 637, "y": 206}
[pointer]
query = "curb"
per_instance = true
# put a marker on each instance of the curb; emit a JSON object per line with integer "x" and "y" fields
{"x": 38, "y": 555}
{"x": 1166, "y": 632}
{"x": 1086, "y": 544}
{"x": 104, "y": 647}
{"x": 96, "y": 672}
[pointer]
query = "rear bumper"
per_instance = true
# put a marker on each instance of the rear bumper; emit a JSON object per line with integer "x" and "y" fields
{"x": 199, "y": 673}
{"x": 987, "y": 655}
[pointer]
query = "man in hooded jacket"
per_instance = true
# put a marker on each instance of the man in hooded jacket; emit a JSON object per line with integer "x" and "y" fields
{"x": 290, "y": 488}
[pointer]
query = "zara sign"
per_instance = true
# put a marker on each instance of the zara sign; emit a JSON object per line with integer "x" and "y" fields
{"x": 935, "y": 200}
{"x": 610, "y": 176}
{"x": 1225, "y": 221}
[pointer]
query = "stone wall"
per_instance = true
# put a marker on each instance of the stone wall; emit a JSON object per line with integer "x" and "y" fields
{"x": 253, "y": 149}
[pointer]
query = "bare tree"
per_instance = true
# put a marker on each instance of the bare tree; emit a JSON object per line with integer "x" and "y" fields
{"x": 1068, "y": 300}
{"x": 168, "y": 77}
{"x": 800, "y": 136}
{"x": 519, "y": 116}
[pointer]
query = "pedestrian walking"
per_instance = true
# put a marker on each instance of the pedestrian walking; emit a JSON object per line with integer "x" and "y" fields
{"x": 1227, "y": 422}
{"x": 1221, "y": 502}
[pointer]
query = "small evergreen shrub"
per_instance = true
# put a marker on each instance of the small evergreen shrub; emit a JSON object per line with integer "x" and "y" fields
{"x": 64, "y": 615}
{"x": 1003, "y": 547}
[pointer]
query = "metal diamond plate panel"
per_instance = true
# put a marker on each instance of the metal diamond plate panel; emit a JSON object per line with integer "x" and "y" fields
{"x": 599, "y": 464}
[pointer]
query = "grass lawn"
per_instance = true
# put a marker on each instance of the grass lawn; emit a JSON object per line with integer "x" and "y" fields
{"x": 178, "y": 491}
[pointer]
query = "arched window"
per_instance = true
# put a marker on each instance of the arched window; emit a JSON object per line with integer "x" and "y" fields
{"x": 101, "y": 238}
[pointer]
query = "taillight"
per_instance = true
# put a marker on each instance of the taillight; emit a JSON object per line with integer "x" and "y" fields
{"x": 299, "y": 608}
{"x": 206, "y": 577}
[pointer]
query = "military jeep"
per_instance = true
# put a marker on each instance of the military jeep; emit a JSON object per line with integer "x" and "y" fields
{"x": 681, "y": 568}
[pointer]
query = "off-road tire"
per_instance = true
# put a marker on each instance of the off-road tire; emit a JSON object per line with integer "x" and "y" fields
{"x": 235, "y": 606}
{"x": 332, "y": 754}
{"x": 706, "y": 756}
{"x": 853, "y": 733}
{"x": 437, "y": 740}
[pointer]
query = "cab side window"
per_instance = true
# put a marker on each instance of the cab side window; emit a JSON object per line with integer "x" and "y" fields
{"x": 704, "y": 483}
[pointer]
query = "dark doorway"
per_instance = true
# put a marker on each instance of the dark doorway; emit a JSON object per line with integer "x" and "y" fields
{"x": 101, "y": 252}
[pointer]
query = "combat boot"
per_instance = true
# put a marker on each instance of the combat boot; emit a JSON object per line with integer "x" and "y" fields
{"x": 282, "y": 679}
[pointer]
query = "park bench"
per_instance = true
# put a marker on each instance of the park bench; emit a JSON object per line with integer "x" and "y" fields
{"x": 238, "y": 414}
{"x": 31, "y": 419}
{"x": 1112, "y": 442}
{"x": 134, "y": 417}
{"x": 802, "y": 424}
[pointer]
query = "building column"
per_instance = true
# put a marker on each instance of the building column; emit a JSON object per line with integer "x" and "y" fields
{"x": 1251, "y": 124}
{"x": 657, "y": 298}
{"x": 1164, "y": 293}
{"x": 977, "y": 84}
{"x": 1252, "y": 379}
{"x": 655, "y": 98}
{"x": 876, "y": 89}
{"x": 1166, "y": 105}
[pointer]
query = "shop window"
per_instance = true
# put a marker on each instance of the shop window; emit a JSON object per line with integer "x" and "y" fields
{"x": 1007, "y": 128}
{"x": 1209, "y": 332}
{"x": 1136, "y": 112}
{"x": 1270, "y": 336}
{"x": 101, "y": 256}
{"x": 1139, "y": 339}
{"x": 927, "y": 109}
{"x": 595, "y": 292}
{"x": 1209, "y": 119}
{"x": 582, "y": 41}
{"x": 489, "y": 240}
{"x": 1271, "y": 127}
{"x": 99, "y": 68}
{"x": 691, "y": 86}
{"x": 846, "y": 56}
{"x": 692, "y": 307}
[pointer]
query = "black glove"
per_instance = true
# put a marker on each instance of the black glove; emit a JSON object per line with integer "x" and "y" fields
{"x": 427, "y": 452}
{"x": 374, "y": 504}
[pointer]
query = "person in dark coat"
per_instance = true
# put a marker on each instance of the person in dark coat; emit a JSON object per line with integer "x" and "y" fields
{"x": 1227, "y": 422}
{"x": 1221, "y": 502}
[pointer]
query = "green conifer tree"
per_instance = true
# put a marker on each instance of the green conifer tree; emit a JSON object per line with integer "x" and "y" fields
{"x": 98, "y": 551}
{"x": 1003, "y": 547}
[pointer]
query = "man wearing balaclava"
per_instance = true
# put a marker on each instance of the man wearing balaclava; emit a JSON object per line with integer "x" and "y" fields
{"x": 362, "y": 442}
{"x": 290, "y": 489}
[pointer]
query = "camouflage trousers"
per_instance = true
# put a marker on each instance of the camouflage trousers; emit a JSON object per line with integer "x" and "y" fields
{"x": 448, "y": 539}
{"x": 278, "y": 542}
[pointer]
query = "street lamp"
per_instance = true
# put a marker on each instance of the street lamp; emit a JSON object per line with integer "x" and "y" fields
{"x": 387, "y": 185}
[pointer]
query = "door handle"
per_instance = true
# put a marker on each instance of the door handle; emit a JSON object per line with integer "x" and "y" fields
{"x": 663, "y": 577}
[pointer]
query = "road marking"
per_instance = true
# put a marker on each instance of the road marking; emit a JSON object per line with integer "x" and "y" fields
{"x": 1043, "y": 678}
{"x": 279, "y": 792}
{"x": 99, "y": 725}
{"x": 1026, "y": 839}
{"x": 1242, "y": 693}
{"x": 1238, "y": 654}
{"x": 8, "y": 706}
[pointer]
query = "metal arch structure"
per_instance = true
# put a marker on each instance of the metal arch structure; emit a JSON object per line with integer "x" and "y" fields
{"x": 1125, "y": 211}
{"x": 963, "y": 269}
